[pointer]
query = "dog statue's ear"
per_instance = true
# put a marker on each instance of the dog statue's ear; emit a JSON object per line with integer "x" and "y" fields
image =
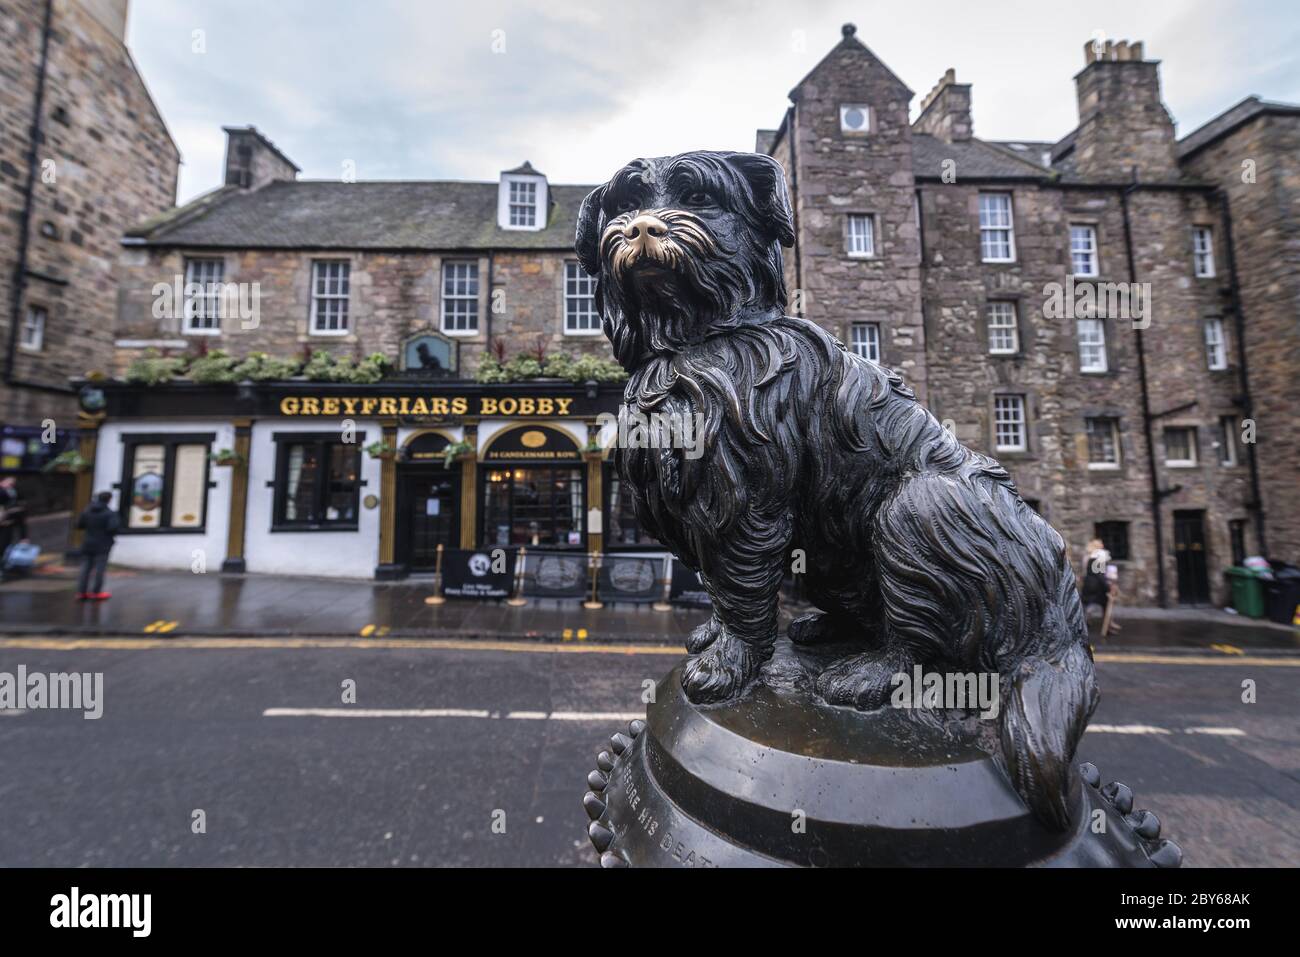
{"x": 587, "y": 242}
{"x": 767, "y": 180}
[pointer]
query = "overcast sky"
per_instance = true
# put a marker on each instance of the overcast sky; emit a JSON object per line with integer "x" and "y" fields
{"x": 428, "y": 89}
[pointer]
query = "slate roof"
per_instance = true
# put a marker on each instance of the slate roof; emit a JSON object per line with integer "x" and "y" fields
{"x": 326, "y": 214}
{"x": 1229, "y": 120}
{"x": 976, "y": 159}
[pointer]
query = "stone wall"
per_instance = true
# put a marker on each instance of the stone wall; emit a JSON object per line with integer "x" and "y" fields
{"x": 112, "y": 164}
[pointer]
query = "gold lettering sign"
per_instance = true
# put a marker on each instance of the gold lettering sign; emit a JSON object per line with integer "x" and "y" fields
{"x": 418, "y": 405}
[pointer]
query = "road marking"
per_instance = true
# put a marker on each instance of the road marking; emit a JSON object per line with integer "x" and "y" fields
{"x": 13, "y": 712}
{"x": 534, "y": 647}
{"x": 451, "y": 713}
{"x": 1228, "y": 649}
{"x": 1152, "y": 729}
{"x": 160, "y": 627}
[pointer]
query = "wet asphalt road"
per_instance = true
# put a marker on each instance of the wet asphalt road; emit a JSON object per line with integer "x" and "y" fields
{"x": 184, "y": 729}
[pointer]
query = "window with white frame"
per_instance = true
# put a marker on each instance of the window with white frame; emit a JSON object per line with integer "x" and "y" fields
{"x": 1203, "y": 251}
{"x": 460, "y": 298}
{"x": 1103, "y": 442}
{"x": 580, "y": 316}
{"x": 1216, "y": 346}
{"x": 997, "y": 235}
{"x": 203, "y": 310}
{"x": 862, "y": 235}
{"x": 1092, "y": 345}
{"x": 1228, "y": 440}
{"x": 1180, "y": 447}
{"x": 1004, "y": 336}
{"x": 523, "y": 203}
{"x": 864, "y": 340}
{"x": 1009, "y": 433}
{"x": 1083, "y": 250}
{"x": 330, "y": 280}
{"x": 31, "y": 337}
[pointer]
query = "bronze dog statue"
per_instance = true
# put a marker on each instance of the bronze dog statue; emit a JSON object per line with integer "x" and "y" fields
{"x": 919, "y": 550}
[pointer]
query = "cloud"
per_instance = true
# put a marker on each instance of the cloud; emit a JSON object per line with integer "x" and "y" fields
{"x": 418, "y": 90}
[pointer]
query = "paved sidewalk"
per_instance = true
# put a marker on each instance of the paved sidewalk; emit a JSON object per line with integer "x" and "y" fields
{"x": 176, "y": 603}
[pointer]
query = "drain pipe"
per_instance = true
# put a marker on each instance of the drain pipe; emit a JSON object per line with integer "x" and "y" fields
{"x": 1246, "y": 401}
{"x": 1156, "y": 494}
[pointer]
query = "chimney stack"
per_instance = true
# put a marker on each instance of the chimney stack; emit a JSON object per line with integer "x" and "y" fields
{"x": 1123, "y": 125}
{"x": 945, "y": 110}
{"x": 252, "y": 160}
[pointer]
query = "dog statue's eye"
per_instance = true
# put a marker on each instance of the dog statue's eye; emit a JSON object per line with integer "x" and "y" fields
{"x": 626, "y": 206}
{"x": 699, "y": 198}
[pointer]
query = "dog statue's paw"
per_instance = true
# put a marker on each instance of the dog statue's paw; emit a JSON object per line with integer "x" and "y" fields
{"x": 812, "y": 629}
{"x": 862, "y": 681}
{"x": 703, "y": 635}
{"x": 724, "y": 670}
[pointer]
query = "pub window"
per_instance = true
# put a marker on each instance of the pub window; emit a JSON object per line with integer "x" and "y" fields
{"x": 1114, "y": 538}
{"x": 580, "y": 316}
{"x": 1203, "y": 251}
{"x": 1216, "y": 345}
{"x": 1180, "y": 447}
{"x": 1103, "y": 443}
{"x": 460, "y": 298}
{"x": 534, "y": 505}
{"x": 1009, "y": 433}
{"x": 317, "y": 482}
{"x": 864, "y": 340}
{"x": 620, "y": 516}
{"x": 164, "y": 482}
{"x": 523, "y": 203}
{"x": 1092, "y": 345}
{"x": 997, "y": 232}
{"x": 1004, "y": 336}
{"x": 1083, "y": 249}
{"x": 203, "y": 278}
{"x": 330, "y": 280}
{"x": 32, "y": 336}
{"x": 862, "y": 235}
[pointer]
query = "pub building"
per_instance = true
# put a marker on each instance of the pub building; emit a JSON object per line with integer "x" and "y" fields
{"x": 303, "y": 474}
{"x": 278, "y": 477}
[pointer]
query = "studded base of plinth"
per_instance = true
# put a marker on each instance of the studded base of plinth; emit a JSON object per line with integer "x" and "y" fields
{"x": 779, "y": 778}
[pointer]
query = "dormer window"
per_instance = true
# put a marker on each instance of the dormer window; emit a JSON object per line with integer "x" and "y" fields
{"x": 522, "y": 199}
{"x": 523, "y": 204}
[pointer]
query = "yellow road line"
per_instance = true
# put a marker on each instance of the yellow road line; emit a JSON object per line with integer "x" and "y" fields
{"x": 534, "y": 647}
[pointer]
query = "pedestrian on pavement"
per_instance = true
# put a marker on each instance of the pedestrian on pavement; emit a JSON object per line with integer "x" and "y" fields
{"x": 1100, "y": 584}
{"x": 13, "y": 516}
{"x": 100, "y": 524}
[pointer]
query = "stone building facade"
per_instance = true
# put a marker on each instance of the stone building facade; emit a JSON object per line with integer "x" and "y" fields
{"x": 1089, "y": 311}
{"x": 1082, "y": 310}
{"x": 84, "y": 155}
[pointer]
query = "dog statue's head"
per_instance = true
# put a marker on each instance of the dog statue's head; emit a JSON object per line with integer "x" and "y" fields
{"x": 685, "y": 246}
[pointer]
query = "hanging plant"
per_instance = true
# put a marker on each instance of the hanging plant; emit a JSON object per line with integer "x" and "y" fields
{"x": 153, "y": 368}
{"x": 69, "y": 461}
{"x": 381, "y": 450}
{"x": 454, "y": 451}
{"x": 228, "y": 458}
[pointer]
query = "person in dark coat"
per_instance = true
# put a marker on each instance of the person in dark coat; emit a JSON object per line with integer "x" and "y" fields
{"x": 100, "y": 524}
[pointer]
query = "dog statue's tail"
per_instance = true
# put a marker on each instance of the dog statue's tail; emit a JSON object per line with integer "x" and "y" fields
{"x": 1045, "y": 710}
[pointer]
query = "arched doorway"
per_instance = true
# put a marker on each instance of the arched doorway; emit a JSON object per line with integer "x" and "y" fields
{"x": 428, "y": 502}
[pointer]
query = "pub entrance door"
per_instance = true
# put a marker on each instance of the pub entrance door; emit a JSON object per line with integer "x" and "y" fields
{"x": 428, "y": 514}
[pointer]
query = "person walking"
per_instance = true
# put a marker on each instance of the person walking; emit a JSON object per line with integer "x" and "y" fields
{"x": 100, "y": 524}
{"x": 1100, "y": 585}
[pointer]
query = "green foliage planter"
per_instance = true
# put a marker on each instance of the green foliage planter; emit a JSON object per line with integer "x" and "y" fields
{"x": 214, "y": 368}
{"x": 557, "y": 365}
{"x": 381, "y": 450}
{"x": 454, "y": 451}
{"x": 227, "y": 458}
{"x": 323, "y": 367}
{"x": 69, "y": 461}
{"x": 153, "y": 368}
{"x": 260, "y": 367}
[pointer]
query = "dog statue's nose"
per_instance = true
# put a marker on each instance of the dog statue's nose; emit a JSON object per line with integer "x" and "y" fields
{"x": 643, "y": 228}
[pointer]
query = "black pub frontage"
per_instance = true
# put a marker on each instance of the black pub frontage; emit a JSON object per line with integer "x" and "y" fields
{"x": 353, "y": 480}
